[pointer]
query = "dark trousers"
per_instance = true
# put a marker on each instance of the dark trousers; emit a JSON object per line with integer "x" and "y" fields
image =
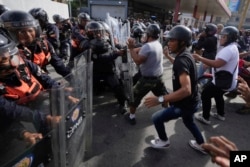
{"x": 211, "y": 91}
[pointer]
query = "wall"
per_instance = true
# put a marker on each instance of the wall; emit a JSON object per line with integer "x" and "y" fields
{"x": 49, "y": 6}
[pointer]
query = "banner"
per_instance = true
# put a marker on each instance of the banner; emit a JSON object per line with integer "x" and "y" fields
{"x": 234, "y": 5}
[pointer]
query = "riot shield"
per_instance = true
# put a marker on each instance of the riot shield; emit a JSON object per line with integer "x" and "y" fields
{"x": 15, "y": 151}
{"x": 125, "y": 66}
{"x": 67, "y": 135}
{"x": 73, "y": 102}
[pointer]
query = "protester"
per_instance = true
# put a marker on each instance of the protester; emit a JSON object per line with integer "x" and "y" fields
{"x": 207, "y": 44}
{"x": 150, "y": 62}
{"x": 226, "y": 59}
{"x": 184, "y": 98}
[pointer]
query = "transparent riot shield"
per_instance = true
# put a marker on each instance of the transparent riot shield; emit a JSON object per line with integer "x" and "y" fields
{"x": 125, "y": 66}
{"x": 15, "y": 150}
{"x": 73, "y": 102}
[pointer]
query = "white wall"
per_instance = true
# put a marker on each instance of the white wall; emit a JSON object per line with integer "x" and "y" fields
{"x": 49, "y": 6}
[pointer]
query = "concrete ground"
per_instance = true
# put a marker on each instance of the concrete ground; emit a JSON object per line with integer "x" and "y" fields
{"x": 119, "y": 144}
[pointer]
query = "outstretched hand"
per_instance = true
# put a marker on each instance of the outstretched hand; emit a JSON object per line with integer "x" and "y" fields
{"x": 219, "y": 148}
{"x": 243, "y": 89}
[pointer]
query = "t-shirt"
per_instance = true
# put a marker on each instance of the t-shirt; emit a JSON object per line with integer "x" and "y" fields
{"x": 153, "y": 66}
{"x": 184, "y": 62}
{"x": 230, "y": 54}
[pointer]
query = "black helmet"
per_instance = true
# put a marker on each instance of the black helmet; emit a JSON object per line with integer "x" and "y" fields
{"x": 105, "y": 26}
{"x": 57, "y": 18}
{"x": 181, "y": 33}
{"x": 14, "y": 20}
{"x": 153, "y": 30}
{"x": 138, "y": 32}
{"x": 3, "y": 9}
{"x": 94, "y": 27}
{"x": 7, "y": 45}
{"x": 83, "y": 17}
{"x": 232, "y": 34}
{"x": 8, "y": 49}
{"x": 210, "y": 29}
{"x": 39, "y": 14}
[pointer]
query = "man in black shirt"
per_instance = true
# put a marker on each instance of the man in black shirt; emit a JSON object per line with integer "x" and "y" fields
{"x": 184, "y": 98}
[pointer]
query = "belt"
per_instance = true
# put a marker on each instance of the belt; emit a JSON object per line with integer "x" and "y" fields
{"x": 146, "y": 77}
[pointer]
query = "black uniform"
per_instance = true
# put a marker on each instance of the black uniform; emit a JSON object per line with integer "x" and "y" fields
{"x": 103, "y": 58}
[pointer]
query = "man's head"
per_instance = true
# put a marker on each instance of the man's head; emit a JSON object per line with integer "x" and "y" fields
{"x": 229, "y": 35}
{"x": 41, "y": 15}
{"x": 179, "y": 37}
{"x": 95, "y": 30}
{"x": 9, "y": 57}
{"x": 83, "y": 19}
{"x": 152, "y": 31}
{"x": 210, "y": 29}
{"x": 21, "y": 25}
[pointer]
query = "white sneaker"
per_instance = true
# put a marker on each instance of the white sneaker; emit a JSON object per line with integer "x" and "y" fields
{"x": 158, "y": 143}
{"x": 217, "y": 116}
{"x": 200, "y": 118}
{"x": 196, "y": 146}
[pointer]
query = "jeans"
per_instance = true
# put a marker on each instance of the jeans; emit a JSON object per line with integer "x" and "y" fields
{"x": 171, "y": 113}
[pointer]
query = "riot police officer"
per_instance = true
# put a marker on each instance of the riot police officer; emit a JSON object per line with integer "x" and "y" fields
{"x": 50, "y": 30}
{"x": 32, "y": 46}
{"x": 21, "y": 82}
{"x": 3, "y": 9}
{"x": 79, "y": 37}
{"x": 103, "y": 57}
{"x": 65, "y": 30}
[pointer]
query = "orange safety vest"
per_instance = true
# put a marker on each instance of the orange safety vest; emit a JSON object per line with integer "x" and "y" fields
{"x": 75, "y": 42}
{"x": 27, "y": 91}
{"x": 41, "y": 59}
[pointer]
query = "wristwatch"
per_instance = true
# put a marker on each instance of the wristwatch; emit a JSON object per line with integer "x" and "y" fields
{"x": 161, "y": 99}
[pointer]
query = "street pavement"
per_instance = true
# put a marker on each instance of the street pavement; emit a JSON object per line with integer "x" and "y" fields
{"x": 116, "y": 143}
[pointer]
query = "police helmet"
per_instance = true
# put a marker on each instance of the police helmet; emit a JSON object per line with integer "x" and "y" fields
{"x": 3, "y": 9}
{"x": 93, "y": 28}
{"x": 7, "y": 45}
{"x": 39, "y": 14}
{"x": 210, "y": 29}
{"x": 8, "y": 49}
{"x": 105, "y": 26}
{"x": 57, "y": 18}
{"x": 232, "y": 34}
{"x": 14, "y": 21}
{"x": 181, "y": 33}
{"x": 138, "y": 32}
{"x": 83, "y": 17}
{"x": 153, "y": 30}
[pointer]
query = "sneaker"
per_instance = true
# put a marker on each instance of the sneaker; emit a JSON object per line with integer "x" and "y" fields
{"x": 196, "y": 146}
{"x": 217, "y": 116}
{"x": 200, "y": 118}
{"x": 131, "y": 121}
{"x": 158, "y": 143}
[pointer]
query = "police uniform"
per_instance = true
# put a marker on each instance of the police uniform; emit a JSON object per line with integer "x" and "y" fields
{"x": 103, "y": 58}
{"x": 42, "y": 53}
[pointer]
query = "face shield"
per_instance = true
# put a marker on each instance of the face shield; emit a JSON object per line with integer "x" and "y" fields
{"x": 9, "y": 56}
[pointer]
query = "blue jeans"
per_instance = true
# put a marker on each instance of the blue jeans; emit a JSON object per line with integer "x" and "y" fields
{"x": 171, "y": 113}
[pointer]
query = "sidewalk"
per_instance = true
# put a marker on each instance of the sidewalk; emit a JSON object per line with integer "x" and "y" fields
{"x": 118, "y": 144}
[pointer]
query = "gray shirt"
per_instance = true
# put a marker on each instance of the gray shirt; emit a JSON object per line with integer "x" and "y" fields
{"x": 153, "y": 66}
